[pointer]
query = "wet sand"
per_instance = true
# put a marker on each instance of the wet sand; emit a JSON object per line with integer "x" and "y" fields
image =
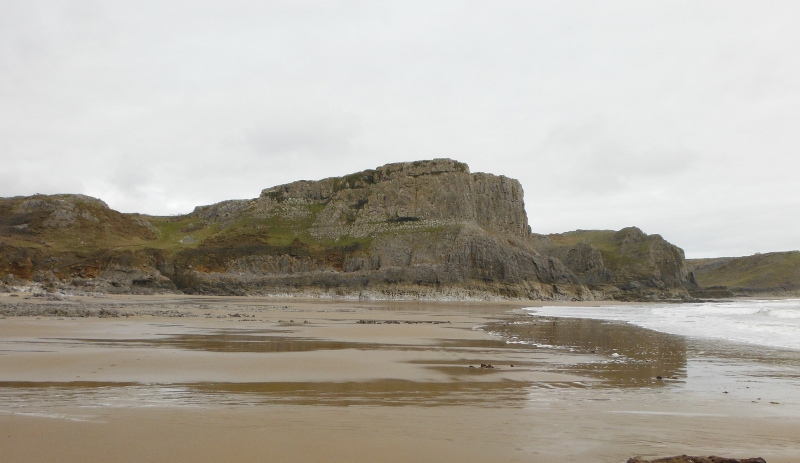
{"x": 249, "y": 379}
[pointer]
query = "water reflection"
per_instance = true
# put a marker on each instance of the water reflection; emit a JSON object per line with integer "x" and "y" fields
{"x": 230, "y": 342}
{"x": 622, "y": 354}
{"x": 387, "y": 392}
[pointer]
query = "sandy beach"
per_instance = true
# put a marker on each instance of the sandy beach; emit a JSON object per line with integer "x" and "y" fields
{"x": 179, "y": 378}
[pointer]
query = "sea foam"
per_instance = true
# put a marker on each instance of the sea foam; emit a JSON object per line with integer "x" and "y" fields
{"x": 772, "y": 323}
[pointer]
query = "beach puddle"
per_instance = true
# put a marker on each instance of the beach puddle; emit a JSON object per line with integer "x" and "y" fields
{"x": 234, "y": 343}
{"x": 238, "y": 341}
{"x": 381, "y": 392}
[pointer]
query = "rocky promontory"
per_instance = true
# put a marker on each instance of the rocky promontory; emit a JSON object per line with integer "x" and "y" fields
{"x": 426, "y": 229}
{"x": 625, "y": 265}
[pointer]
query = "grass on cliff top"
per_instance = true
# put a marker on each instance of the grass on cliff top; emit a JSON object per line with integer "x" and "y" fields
{"x": 766, "y": 271}
{"x": 278, "y": 232}
{"x": 67, "y": 223}
{"x": 610, "y": 249}
{"x": 284, "y": 228}
{"x": 172, "y": 229}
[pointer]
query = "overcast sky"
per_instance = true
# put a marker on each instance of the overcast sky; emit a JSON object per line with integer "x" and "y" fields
{"x": 682, "y": 118}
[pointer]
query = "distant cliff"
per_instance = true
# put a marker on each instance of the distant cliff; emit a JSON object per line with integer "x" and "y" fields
{"x": 427, "y": 229}
{"x": 768, "y": 274}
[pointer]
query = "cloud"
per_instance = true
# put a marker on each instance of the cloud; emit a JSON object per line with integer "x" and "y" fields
{"x": 677, "y": 117}
{"x": 585, "y": 160}
{"x": 308, "y": 136}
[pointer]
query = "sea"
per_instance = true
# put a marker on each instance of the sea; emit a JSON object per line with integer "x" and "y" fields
{"x": 767, "y": 323}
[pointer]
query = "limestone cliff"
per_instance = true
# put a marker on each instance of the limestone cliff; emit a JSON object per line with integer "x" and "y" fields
{"x": 426, "y": 229}
{"x": 626, "y": 264}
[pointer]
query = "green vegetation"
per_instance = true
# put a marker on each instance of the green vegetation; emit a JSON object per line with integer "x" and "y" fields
{"x": 771, "y": 271}
{"x": 609, "y": 245}
{"x": 96, "y": 235}
{"x": 170, "y": 230}
{"x": 284, "y": 231}
{"x": 274, "y": 230}
{"x": 68, "y": 222}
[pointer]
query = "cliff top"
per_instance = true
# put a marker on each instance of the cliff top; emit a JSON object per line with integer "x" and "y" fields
{"x": 387, "y": 172}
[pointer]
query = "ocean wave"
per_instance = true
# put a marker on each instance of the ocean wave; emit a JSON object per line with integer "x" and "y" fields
{"x": 761, "y": 322}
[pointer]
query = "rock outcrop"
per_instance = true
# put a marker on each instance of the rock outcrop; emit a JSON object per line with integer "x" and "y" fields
{"x": 76, "y": 241}
{"x": 427, "y": 229}
{"x": 628, "y": 264}
{"x": 422, "y": 229}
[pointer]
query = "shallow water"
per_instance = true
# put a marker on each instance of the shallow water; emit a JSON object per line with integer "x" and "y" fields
{"x": 607, "y": 354}
{"x": 20, "y": 396}
{"x": 620, "y": 355}
{"x": 639, "y": 356}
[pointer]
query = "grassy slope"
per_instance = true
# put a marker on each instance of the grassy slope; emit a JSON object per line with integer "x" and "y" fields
{"x": 171, "y": 230}
{"x": 276, "y": 234}
{"x": 773, "y": 270}
{"x": 604, "y": 241}
{"x": 91, "y": 226}
{"x": 69, "y": 235}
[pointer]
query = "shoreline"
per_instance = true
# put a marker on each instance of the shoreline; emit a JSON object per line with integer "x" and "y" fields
{"x": 38, "y": 291}
{"x": 757, "y": 323}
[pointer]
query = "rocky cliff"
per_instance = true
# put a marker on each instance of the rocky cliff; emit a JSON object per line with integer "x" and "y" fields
{"x": 625, "y": 265}
{"x": 76, "y": 241}
{"x": 427, "y": 229}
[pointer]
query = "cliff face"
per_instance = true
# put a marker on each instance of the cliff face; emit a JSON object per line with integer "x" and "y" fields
{"x": 433, "y": 192}
{"x": 421, "y": 229}
{"x": 428, "y": 228}
{"x": 627, "y": 264}
{"x": 441, "y": 191}
{"x": 61, "y": 239}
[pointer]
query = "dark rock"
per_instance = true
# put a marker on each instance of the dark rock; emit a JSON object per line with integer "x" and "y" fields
{"x": 688, "y": 459}
{"x": 714, "y": 292}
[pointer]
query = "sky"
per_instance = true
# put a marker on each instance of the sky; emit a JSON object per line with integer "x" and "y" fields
{"x": 679, "y": 117}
